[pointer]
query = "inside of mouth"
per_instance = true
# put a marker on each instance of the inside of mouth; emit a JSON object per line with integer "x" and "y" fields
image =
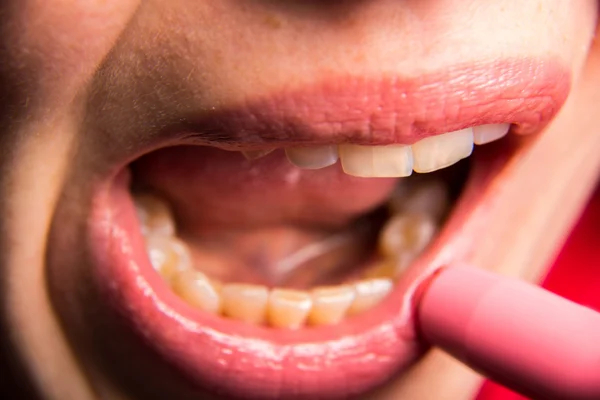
{"x": 292, "y": 276}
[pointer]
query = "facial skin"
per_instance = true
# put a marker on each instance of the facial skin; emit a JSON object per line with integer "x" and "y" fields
{"x": 85, "y": 82}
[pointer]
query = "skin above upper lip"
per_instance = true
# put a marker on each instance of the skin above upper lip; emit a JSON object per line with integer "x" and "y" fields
{"x": 247, "y": 361}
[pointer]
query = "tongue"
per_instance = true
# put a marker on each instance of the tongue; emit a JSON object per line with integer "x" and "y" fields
{"x": 214, "y": 191}
{"x": 266, "y": 221}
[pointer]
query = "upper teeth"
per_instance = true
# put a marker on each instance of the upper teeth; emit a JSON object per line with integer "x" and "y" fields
{"x": 435, "y": 152}
{"x": 382, "y": 161}
{"x": 488, "y": 133}
{"x": 427, "y": 155}
{"x": 312, "y": 157}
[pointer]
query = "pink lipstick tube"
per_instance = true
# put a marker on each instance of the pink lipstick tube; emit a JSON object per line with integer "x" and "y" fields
{"x": 518, "y": 334}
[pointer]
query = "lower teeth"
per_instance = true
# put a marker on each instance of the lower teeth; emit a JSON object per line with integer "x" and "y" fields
{"x": 416, "y": 212}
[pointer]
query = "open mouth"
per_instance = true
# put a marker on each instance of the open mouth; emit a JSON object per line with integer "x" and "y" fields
{"x": 314, "y": 268}
{"x": 273, "y": 252}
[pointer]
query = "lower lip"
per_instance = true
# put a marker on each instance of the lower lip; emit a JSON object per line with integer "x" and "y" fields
{"x": 250, "y": 361}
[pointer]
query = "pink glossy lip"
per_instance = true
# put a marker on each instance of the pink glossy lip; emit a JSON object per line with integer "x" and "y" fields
{"x": 356, "y": 356}
{"x": 394, "y": 110}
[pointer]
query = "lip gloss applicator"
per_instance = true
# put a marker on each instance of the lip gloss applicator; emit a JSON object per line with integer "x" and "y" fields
{"x": 520, "y": 335}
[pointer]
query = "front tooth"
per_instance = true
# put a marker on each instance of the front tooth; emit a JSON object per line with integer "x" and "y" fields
{"x": 288, "y": 308}
{"x": 406, "y": 234}
{"x": 376, "y": 161}
{"x": 436, "y": 152}
{"x": 167, "y": 255}
{"x": 246, "y": 303}
{"x": 154, "y": 215}
{"x": 197, "y": 290}
{"x": 330, "y": 304}
{"x": 369, "y": 293}
{"x": 312, "y": 157}
{"x": 488, "y": 133}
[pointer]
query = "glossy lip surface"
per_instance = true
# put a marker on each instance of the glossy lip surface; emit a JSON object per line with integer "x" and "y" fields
{"x": 242, "y": 360}
{"x": 328, "y": 362}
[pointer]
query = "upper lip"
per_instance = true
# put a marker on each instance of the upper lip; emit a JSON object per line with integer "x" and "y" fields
{"x": 250, "y": 361}
{"x": 390, "y": 110}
